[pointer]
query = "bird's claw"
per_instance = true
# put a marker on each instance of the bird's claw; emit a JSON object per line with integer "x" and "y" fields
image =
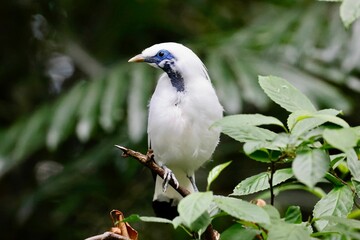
{"x": 167, "y": 178}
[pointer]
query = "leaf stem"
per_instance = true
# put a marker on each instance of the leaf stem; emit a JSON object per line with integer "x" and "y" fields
{"x": 272, "y": 172}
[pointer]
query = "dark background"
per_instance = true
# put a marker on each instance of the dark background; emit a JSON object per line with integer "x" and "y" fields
{"x": 68, "y": 96}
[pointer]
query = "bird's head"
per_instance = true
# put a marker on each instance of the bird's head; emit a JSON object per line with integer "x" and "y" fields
{"x": 171, "y": 55}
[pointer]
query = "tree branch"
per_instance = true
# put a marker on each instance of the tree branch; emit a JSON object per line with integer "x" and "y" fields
{"x": 107, "y": 236}
{"x": 148, "y": 161}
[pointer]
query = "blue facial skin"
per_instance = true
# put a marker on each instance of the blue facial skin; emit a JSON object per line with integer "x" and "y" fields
{"x": 175, "y": 77}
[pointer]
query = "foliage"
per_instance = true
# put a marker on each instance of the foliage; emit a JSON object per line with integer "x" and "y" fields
{"x": 312, "y": 159}
{"x": 57, "y": 161}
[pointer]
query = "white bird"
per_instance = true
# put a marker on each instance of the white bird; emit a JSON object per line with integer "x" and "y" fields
{"x": 181, "y": 111}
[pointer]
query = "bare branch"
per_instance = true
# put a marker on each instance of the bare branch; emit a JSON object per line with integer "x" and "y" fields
{"x": 148, "y": 161}
{"x": 107, "y": 236}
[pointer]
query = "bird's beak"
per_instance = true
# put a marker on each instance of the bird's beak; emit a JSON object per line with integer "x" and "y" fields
{"x": 137, "y": 58}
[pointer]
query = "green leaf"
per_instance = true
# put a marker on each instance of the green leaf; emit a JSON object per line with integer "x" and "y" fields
{"x": 248, "y": 120}
{"x": 115, "y": 93}
{"x": 242, "y": 210}
{"x": 309, "y": 167}
{"x": 214, "y": 173}
{"x": 356, "y": 185}
{"x": 338, "y": 202}
{"x": 302, "y": 121}
{"x": 348, "y": 228}
{"x": 296, "y": 117}
{"x": 286, "y": 231}
{"x": 272, "y": 212}
{"x": 248, "y": 133}
{"x": 349, "y": 11}
{"x": 226, "y": 88}
{"x": 137, "y": 218}
{"x": 88, "y": 112}
{"x": 31, "y": 139}
{"x": 293, "y": 215}
{"x": 343, "y": 139}
{"x": 237, "y": 231}
{"x": 259, "y": 150}
{"x": 285, "y": 94}
{"x": 193, "y": 206}
{"x": 332, "y": 119}
{"x": 353, "y": 163}
{"x": 201, "y": 223}
{"x": 64, "y": 117}
{"x": 333, "y": 220}
{"x": 138, "y": 93}
{"x": 260, "y": 182}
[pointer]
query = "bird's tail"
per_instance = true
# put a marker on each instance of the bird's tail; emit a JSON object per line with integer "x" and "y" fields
{"x": 165, "y": 203}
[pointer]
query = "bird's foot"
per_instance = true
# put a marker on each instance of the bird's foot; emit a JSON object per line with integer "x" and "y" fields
{"x": 193, "y": 183}
{"x": 150, "y": 155}
{"x": 167, "y": 178}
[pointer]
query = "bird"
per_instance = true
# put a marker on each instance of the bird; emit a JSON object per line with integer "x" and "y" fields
{"x": 181, "y": 113}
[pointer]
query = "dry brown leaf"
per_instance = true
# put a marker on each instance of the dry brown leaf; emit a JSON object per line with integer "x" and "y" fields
{"x": 122, "y": 228}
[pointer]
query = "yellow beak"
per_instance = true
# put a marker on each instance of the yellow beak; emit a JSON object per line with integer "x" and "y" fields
{"x": 137, "y": 58}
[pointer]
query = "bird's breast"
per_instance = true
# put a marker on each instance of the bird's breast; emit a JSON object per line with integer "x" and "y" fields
{"x": 179, "y": 125}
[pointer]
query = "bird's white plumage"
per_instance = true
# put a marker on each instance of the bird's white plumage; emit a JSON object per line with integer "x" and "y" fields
{"x": 179, "y": 121}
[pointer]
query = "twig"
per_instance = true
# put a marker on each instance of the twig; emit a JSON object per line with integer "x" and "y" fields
{"x": 107, "y": 236}
{"x": 148, "y": 161}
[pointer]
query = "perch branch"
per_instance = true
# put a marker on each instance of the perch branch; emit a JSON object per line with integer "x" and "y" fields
{"x": 148, "y": 161}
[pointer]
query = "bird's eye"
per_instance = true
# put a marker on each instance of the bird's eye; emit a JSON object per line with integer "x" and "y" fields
{"x": 161, "y": 54}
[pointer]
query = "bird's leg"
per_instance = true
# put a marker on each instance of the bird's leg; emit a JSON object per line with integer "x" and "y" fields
{"x": 192, "y": 180}
{"x": 167, "y": 177}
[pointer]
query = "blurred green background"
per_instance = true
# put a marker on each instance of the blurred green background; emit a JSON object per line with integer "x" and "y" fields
{"x": 68, "y": 96}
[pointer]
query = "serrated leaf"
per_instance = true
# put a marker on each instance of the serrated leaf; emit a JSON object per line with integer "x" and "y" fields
{"x": 293, "y": 215}
{"x": 260, "y": 182}
{"x": 302, "y": 121}
{"x": 353, "y": 163}
{"x": 332, "y": 119}
{"x": 343, "y": 139}
{"x": 356, "y": 184}
{"x": 349, "y": 11}
{"x": 248, "y": 120}
{"x": 88, "y": 111}
{"x": 352, "y": 223}
{"x": 215, "y": 172}
{"x": 286, "y": 95}
{"x": 338, "y": 202}
{"x": 242, "y": 210}
{"x": 286, "y": 231}
{"x": 237, "y": 231}
{"x": 309, "y": 167}
{"x": 194, "y": 205}
{"x": 248, "y": 133}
